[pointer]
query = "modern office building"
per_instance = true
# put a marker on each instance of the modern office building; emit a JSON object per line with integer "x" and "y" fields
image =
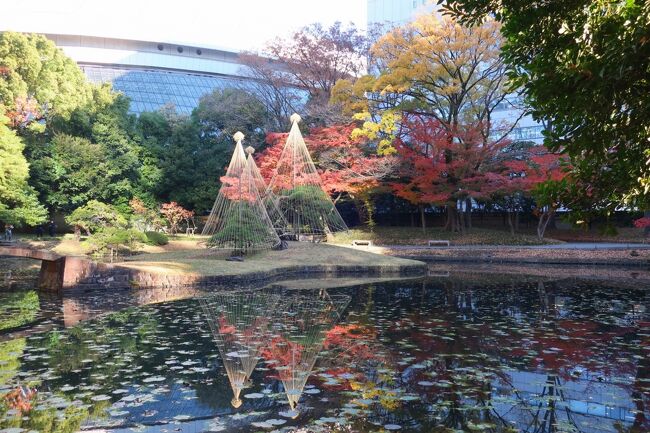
{"x": 391, "y": 13}
{"x": 153, "y": 73}
{"x": 396, "y": 12}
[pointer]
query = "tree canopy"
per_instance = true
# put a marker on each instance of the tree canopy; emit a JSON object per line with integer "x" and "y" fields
{"x": 33, "y": 68}
{"x": 18, "y": 201}
{"x": 584, "y": 66}
{"x": 433, "y": 67}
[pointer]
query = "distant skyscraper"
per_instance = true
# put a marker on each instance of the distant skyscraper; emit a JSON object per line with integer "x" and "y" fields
{"x": 396, "y": 12}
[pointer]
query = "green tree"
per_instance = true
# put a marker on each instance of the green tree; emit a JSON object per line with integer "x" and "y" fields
{"x": 96, "y": 216}
{"x": 31, "y": 66}
{"x": 80, "y": 140}
{"x": 196, "y": 155}
{"x": 584, "y": 66}
{"x": 18, "y": 201}
{"x": 94, "y": 154}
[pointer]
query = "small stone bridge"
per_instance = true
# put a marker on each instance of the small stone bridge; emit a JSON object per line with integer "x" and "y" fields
{"x": 57, "y": 272}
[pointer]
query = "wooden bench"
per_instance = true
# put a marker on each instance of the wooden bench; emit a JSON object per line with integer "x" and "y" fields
{"x": 359, "y": 243}
{"x": 438, "y": 243}
{"x": 438, "y": 273}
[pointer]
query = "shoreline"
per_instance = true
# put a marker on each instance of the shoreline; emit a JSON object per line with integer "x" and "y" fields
{"x": 201, "y": 267}
{"x": 527, "y": 261}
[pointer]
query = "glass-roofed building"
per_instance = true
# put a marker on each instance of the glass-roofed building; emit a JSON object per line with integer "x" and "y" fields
{"x": 153, "y": 74}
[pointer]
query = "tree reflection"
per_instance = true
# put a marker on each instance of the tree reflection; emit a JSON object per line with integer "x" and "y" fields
{"x": 298, "y": 334}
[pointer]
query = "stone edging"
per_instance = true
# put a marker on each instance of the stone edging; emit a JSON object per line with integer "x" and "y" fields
{"x": 90, "y": 275}
{"x": 527, "y": 261}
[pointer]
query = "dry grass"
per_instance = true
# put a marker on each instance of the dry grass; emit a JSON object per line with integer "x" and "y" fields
{"x": 68, "y": 246}
{"x": 207, "y": 262}
{"x": 640, "y": 256}
{"x": 415, "y": 236}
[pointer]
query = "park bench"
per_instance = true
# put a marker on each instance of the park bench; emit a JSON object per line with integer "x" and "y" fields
{"x": 438, "y": 273}
{"x": 438, "y": 243}
{"x": 359, "y": 242}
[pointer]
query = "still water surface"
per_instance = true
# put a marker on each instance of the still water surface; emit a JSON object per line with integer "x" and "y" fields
{"x": 461, "y": 353}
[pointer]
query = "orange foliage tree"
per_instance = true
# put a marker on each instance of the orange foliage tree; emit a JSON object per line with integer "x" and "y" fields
{"x": 175, "y": 214}
{"x": 440, "y": 165}
{"x": 347, "y": 166}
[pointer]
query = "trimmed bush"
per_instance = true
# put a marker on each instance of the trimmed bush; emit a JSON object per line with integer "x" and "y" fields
{"x": 157, "y": 238}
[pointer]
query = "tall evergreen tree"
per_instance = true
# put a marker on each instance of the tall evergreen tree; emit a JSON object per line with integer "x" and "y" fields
{"x": 18, "y": 201}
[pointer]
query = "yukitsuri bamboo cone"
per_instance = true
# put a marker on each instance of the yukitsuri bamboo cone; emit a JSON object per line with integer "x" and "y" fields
{"x": 238, "y": 220}
{"x": 269, "y": 199}
{"x": 306, "y": 207}
{"x": 240, "y": 326}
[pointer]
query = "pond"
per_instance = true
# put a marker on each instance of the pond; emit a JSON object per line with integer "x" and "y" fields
{"x": 448, "y": 353}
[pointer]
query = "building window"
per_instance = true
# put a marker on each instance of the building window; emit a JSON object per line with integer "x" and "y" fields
{"x": 179, "y": 49}
{"x": 199, "y": 52}
{"x": 160, "y": 47}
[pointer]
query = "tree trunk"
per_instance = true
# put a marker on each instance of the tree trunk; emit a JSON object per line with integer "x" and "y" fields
{"x": 422, "y": 220}
{"x": 512, "y": 227}
{"x": 77, "y": 233}
{"x": 452, "y": 218}
{"x": 468, "y": 209}
{"x": 544, "y": 219}
{"x": 460, "y": 217}
{"x": 448, "y": 224}
{"x": 361, "y": 213}
{"x": 517, "y": 220}
{"x": 412, "y": 219}
{"x": 370, "y": 221}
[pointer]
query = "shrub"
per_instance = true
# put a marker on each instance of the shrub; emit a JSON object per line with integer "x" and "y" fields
{"x": 112, "y": 238}
{"x": 642, "y": 223}
{"x": 156, "y": 238}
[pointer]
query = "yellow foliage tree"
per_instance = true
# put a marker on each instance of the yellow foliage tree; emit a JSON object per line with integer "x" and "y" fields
{"x": 433, "y": 67}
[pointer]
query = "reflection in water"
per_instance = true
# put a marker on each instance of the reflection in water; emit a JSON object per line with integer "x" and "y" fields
{"x": 502, "y": 354}
{"x": 299, "y": 330}
{"x": 288, "y": 330}
{"x": 239, "y": 323}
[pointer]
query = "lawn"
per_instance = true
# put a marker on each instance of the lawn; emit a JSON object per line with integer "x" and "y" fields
{"x": 415, "y": 236}
{"x": 206, "y": 262}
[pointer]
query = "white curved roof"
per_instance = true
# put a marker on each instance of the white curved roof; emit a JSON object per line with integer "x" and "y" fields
{"x": 91, "y": 50}
{"x": 221, "y": 24}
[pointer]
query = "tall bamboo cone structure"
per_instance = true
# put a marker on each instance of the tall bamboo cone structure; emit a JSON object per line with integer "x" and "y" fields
{"x": 269, "y": 199}
{"x": 299, "y": 332}
{"x": 238, "y": 220}
{"x": 306, "y": 207}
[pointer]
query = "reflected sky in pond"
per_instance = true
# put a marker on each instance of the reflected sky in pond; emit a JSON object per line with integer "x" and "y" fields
{"x": 439, "y": 355}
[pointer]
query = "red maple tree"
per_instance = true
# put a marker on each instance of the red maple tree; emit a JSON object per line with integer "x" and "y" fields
{"x": 444, "y": 166}
{"x": 174, "y": 214}
{"x": 347, "y": 166}
{"x": 517, "y": 177}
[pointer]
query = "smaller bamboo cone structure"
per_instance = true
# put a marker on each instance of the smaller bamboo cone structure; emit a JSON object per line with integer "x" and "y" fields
{"x": 238, "y": 220}
{"x": 299, "y": 330}
{"x": 239, "y": 323}
{"x": 269, "y": 199}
